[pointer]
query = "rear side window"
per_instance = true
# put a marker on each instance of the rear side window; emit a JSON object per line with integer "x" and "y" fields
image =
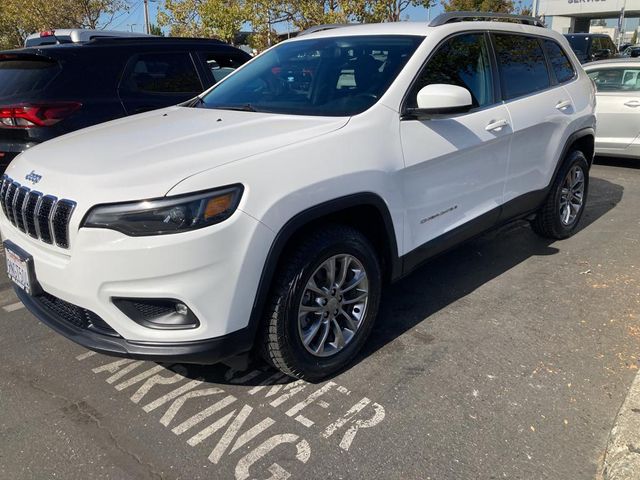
{"x": 220, "y": 64}
{"x": 20, "y": 77}
{"x": 461, "y": 61}
{"x": 560, "y": 63}
{"x": 522, "y": 65}
{"x": 616, "y": 79}
{"x": 158, "y": 73}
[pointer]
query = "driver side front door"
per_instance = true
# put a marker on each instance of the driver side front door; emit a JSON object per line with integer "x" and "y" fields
{"x": 455, "y": 165}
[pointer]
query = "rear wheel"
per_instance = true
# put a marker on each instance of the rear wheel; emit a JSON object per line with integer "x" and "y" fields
{"x": 324, "y": 303}
{"x": 559, "y": 216}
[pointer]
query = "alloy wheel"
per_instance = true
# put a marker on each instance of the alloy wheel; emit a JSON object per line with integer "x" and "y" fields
{"x": 333, "y": 305}
{"x": 571, "y": 196}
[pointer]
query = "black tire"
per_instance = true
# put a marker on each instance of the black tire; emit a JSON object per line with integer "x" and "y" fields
{"x": 548, "y": 222}
{"x": 282, "y": 343}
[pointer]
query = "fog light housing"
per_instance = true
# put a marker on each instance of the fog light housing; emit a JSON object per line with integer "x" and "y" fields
{"x": 158, "y": 313}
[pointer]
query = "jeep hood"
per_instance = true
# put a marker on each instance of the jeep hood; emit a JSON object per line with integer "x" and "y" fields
{"x": 144, "y": 156}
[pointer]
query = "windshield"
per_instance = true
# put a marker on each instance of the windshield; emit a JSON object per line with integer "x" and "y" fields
{"x": 339, "y": 76}
{"x": 579, "y": 44}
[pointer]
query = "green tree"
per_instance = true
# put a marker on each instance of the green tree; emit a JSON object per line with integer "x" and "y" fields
{"x": 20, "y": 18}
{"x": 371, "y": 11}
{"x": 502, "y": 6}
{"x": 156, "y": 30}
{"x": 306, "y": 13}
{"x": 522, "y": 9}
{"x": 223, "y": 18}
{"x": 183, "y": 18}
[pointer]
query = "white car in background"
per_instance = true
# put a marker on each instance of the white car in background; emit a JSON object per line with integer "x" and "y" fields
{"x": 618, "y": 106}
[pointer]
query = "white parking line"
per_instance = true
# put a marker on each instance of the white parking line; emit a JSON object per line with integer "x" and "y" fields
{"x": 13, "y": 307}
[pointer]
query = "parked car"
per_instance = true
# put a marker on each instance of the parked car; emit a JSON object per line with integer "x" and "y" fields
{"x": 632, "y": 51}
{"x": 589, "y": 47}
{"x": 618, "y": 106}
{"x": 271, "y": 211}
{"x": 47, "y": 91}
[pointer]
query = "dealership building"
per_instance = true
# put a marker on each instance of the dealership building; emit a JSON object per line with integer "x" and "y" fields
{"x": 573, "y": 16}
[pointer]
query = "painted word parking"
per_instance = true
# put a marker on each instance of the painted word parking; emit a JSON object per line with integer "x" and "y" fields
{"x": 250, "y": 421}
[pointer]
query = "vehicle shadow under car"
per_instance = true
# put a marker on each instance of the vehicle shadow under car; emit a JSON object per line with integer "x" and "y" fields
{"x": 445, "y": 280}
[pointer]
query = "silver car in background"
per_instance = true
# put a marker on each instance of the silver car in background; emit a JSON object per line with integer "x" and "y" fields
{"x": 618, "y": 106}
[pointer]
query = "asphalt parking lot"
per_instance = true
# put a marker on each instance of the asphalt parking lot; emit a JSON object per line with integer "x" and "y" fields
{"x": 508, "y": 357}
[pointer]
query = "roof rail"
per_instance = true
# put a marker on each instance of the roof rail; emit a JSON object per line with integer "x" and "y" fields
{"x": 452, "y": 17}
{"x": 328, "y": 26}
{"x": 151, "y": 39}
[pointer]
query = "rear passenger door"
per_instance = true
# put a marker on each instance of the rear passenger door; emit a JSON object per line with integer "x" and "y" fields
{"x": 540, "y": 109}
{"x": 157, "y": 80}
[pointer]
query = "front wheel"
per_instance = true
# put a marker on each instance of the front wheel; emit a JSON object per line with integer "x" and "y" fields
{"x": 324, "y": 303}
{"x": 559, "y": 216}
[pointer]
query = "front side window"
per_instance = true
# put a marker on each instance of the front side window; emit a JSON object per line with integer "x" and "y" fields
{"x": 158, "y": 73}
{"x": 462, "y": 61}
{"x": 522, "y": 65}
{"x": 338, "y": 76}
{"x": 616, "y": 79}
{"x": 560, "y": 63}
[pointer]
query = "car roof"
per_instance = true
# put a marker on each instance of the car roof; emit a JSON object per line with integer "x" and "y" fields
{"x": 613, "y": 62}
{"x": 125, "y": 43}
{"x": 423, "y": 29}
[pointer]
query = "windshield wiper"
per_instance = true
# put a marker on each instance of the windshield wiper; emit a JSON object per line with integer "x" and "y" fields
{"x": 247, "y": 107}
{"x": 192, "y": 103}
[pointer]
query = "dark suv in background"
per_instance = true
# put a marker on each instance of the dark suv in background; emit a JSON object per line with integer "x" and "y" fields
{"x": 590, "y": 47}
{"x": 47, "y": 91}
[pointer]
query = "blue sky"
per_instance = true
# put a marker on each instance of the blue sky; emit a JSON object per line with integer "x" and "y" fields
{"x": 134, "y": 19}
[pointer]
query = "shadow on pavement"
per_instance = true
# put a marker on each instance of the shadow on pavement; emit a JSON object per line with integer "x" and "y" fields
{"x": 618, "y": 162}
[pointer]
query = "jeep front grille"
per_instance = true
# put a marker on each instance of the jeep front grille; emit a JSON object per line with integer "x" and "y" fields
{"x": 41, "y": 216}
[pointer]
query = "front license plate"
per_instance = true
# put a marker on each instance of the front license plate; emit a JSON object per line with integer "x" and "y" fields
{"x": 18, "y": 268}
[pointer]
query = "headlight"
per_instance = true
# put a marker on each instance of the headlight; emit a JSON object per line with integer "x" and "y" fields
{"x": 168, "y": 214}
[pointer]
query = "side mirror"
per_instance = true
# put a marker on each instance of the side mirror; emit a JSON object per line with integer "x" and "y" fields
{"x": 440, "y": 98}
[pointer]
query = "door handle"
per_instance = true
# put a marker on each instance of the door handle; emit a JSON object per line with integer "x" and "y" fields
{"x": 632, "y": 103}
{"x": 496, "y": 125}
{"x": 562, "y": 104}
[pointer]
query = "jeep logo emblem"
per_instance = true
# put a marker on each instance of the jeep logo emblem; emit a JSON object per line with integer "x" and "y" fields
{"x": 33, "y": 177}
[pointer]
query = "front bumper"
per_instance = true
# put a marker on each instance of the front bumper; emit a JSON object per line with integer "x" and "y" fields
{"x": 204, "y": 352}
{"x": 215, "y": 271}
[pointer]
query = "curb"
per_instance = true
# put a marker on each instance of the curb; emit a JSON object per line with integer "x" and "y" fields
{"x": 622, "y": 457}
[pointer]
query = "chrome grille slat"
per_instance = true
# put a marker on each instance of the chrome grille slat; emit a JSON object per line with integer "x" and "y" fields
{"x": 28, "y": 213}
{"x": 3, "y": 192}
{"x": 44, "y": 214}
{"x": 59, "y": 221}
{"x": 40, "y": 216}
{"x": 18, "y": 211}
{"x": 9, "y": 199}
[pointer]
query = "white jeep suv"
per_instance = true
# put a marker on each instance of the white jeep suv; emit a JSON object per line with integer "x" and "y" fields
{"x": 269, "y": 212}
